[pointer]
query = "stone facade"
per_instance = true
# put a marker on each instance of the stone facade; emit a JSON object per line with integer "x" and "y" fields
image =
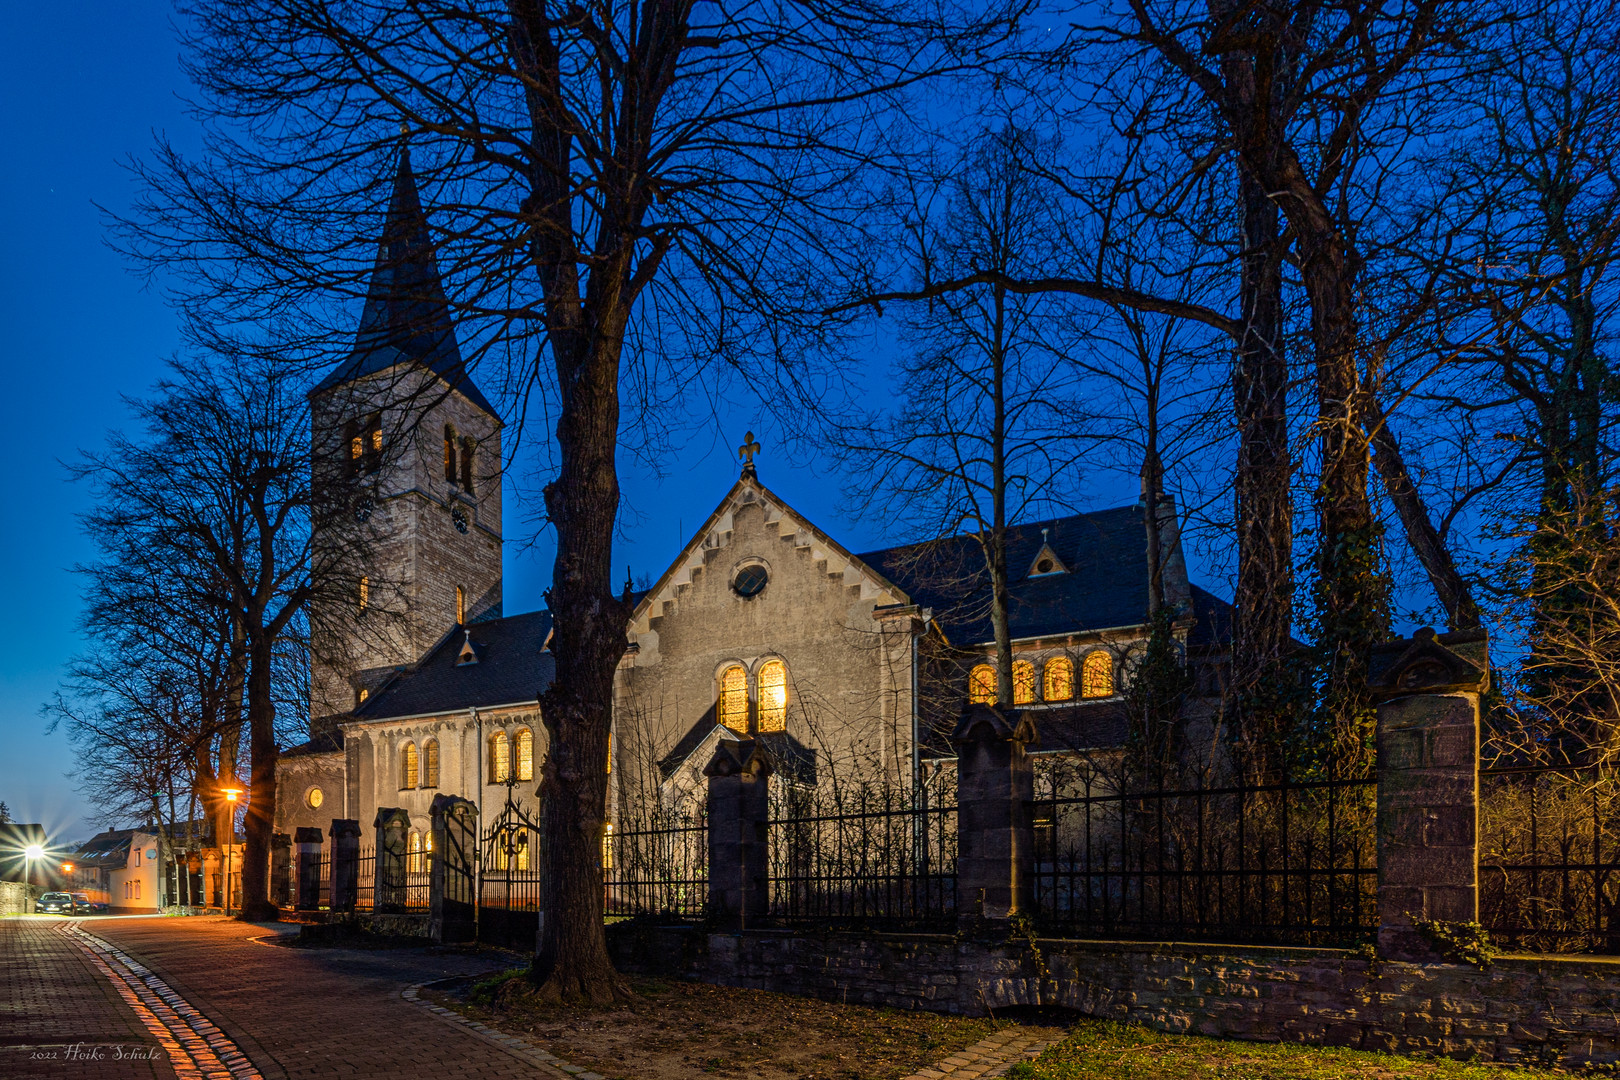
{"x": 424, "y": 534}
{"x": 820, "y": 612}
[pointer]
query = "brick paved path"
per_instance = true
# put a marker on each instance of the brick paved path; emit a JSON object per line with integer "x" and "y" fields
{"x": 986, "y": 1058}
{"x": 294, "y": 1013}
{"x": 60, "y": 1017}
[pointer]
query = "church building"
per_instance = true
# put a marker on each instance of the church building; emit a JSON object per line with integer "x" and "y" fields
{"x": 763, "y": 626}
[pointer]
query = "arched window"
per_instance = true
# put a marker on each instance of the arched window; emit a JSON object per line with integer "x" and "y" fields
{"x": 364, "y": 597}
{"x": 734, "y": 698}
{"x": 520, "y": 852}
{"x": 982, "y": 685}
{"x": 467, "y": 449}
{"x": 1097, "y": 675}
{"x": 773, "y": 696}
{"x": 500, "y": 758}
{"x": 525, "y": 754}
{"x": 1058, "y": 679}
{"x": 413, "y": 853}
{"x": 430, "y": 763}
{"x": 407, "y": 766}
{"x": 461, "y": 605}
{"x": 1023, "y": 682}
{"x": 450, "y": 453}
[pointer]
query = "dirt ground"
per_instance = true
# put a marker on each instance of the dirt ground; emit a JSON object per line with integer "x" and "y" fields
{"x": 680, "y": 1031}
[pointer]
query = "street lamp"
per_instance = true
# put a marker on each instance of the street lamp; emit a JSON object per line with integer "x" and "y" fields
{"x": 230, "y": 794}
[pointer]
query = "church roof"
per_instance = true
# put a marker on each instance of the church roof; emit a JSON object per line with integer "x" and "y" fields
{"x": 1105, "y": 586}
{"x": 512, "y": 667}
{"x": 407, "y": 317}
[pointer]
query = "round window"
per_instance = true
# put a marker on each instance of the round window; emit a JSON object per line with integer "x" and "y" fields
{"x": 1044, "y": 566}
{"x": 314, "y": 797}
{"x": 750, "y": 580}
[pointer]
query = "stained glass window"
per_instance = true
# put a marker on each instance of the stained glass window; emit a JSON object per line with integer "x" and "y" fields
{"x": 1097, "y": 675}
{"x": 773, "y": 696}
{"x": 1058, "y": 679}
{"x": 525, "y": 754}
{"x": 982, "y": 685}
{"x": 1023, "y": 682}
{"x": 734, "y": 698}
{"x": 500, "y": 758}
{"x": 407, "y": 772}
{"x": 430, "y": 764}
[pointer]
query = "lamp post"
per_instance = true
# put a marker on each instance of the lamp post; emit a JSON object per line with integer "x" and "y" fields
{"x": 230, "y": 794}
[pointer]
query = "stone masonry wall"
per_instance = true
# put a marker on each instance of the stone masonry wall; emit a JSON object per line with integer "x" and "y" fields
{"x": 1525, "y": 1010}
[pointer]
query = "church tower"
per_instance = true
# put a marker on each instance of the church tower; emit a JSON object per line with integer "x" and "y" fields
{"x": 407, "y": 458}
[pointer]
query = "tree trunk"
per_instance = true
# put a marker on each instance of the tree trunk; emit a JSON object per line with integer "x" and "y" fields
{"x": 1425, "y": 540}
{"x": 996, "y": 552}
{"x": 1262, "y": 483}
{"x": 589, "y": 640}
{"x": 259, "y": 823}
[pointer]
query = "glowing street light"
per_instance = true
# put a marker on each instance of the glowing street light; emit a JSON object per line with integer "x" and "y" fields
{"x": 230, "y": 794}
{"x": 34, "y": 851}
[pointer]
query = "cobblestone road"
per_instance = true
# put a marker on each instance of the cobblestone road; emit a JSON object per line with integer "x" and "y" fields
{"x": 181, "y": 998}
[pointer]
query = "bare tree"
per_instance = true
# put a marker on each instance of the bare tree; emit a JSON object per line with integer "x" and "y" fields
{"x": 982, "y": 433}
{"x": 622, "y": 192}
{"x": 213, "y": 502}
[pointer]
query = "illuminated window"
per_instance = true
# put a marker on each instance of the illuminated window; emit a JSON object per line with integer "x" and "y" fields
{"x": 607, "y": 845}
{"x": 1023, "y": 682}
{"x": 520, "y": 852}
{"x": 413, "y": 855}
{"x": 525, "y": 754}
{"x": 1058, "y": 679}
{"x": 734, "y": 698}
{"x": 364, "y": 693}
{"x": 500, "y": 758}
{"x": 450, "y": 453}
{"x": 461, "y": 606}
{"x": 376, "y": 438}
{"x": 407, "y": 766}
{"x": 610, "y": 753}
{"x": 365, "y": 592}
{"x": 1097, "y": 675}
{"x": 773, "y": 696}
{"x": 357, "y": 449}
{"x": 430, "y": 763}
{"x": 467, "y": 447}
{"x": 982, "y": 685}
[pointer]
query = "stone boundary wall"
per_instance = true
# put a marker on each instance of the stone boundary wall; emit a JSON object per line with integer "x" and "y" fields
{"x": 1529, "y": 1010}
{"x": 17, "y": 898}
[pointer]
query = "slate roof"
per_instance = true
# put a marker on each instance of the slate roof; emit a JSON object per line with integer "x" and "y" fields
{"x": 406, "y": 317}
{"x": 512, "y": 667}
{"x": 1106, "y": 586}
{"x": 328, "y": 742}
{"x": 108, "y": 849}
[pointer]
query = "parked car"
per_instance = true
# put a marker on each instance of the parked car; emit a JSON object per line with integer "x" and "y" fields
{"x": 54, "y": 903}
{"x": 99, "y": 907}
{"x": 82, "y": 904}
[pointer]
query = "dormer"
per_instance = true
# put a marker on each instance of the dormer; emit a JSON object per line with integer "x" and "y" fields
{"x": 468, "y": 654}
{"x": 1046, "y": 562}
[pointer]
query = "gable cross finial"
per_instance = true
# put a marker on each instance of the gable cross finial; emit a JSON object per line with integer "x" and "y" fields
{"x": 747, "y": 450}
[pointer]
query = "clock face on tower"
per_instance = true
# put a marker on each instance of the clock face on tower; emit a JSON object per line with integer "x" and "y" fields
{"x": 459, "y": 516}
{"x": 363, "y": 509}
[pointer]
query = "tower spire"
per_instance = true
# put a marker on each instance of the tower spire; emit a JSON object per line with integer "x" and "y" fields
{"x": 406, "y": 315}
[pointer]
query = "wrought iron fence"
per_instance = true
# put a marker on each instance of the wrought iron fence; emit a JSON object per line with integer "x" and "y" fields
{"x": 365, "y": 893}
{"x": 660, "y": 867}
{"x": 1288, "y": 862}
{"x": 1549, "y": 857}
{"x": 867, "y": 855}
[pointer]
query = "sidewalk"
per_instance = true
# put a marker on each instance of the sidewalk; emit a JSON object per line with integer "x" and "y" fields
{"x": 61, "y": 1017}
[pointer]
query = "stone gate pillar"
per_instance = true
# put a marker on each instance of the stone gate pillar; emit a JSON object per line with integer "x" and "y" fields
{"x": 393, "y": 827}
{"x": 309, "y": 841}
{"x": 452, "y": 902}
{"x": 345, "y": 834}
{"x": 739, "y": 841}
{"x": 1427, "y": 689}
{"x": 995, "y": 853}
{"x": 280, "y": 870}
